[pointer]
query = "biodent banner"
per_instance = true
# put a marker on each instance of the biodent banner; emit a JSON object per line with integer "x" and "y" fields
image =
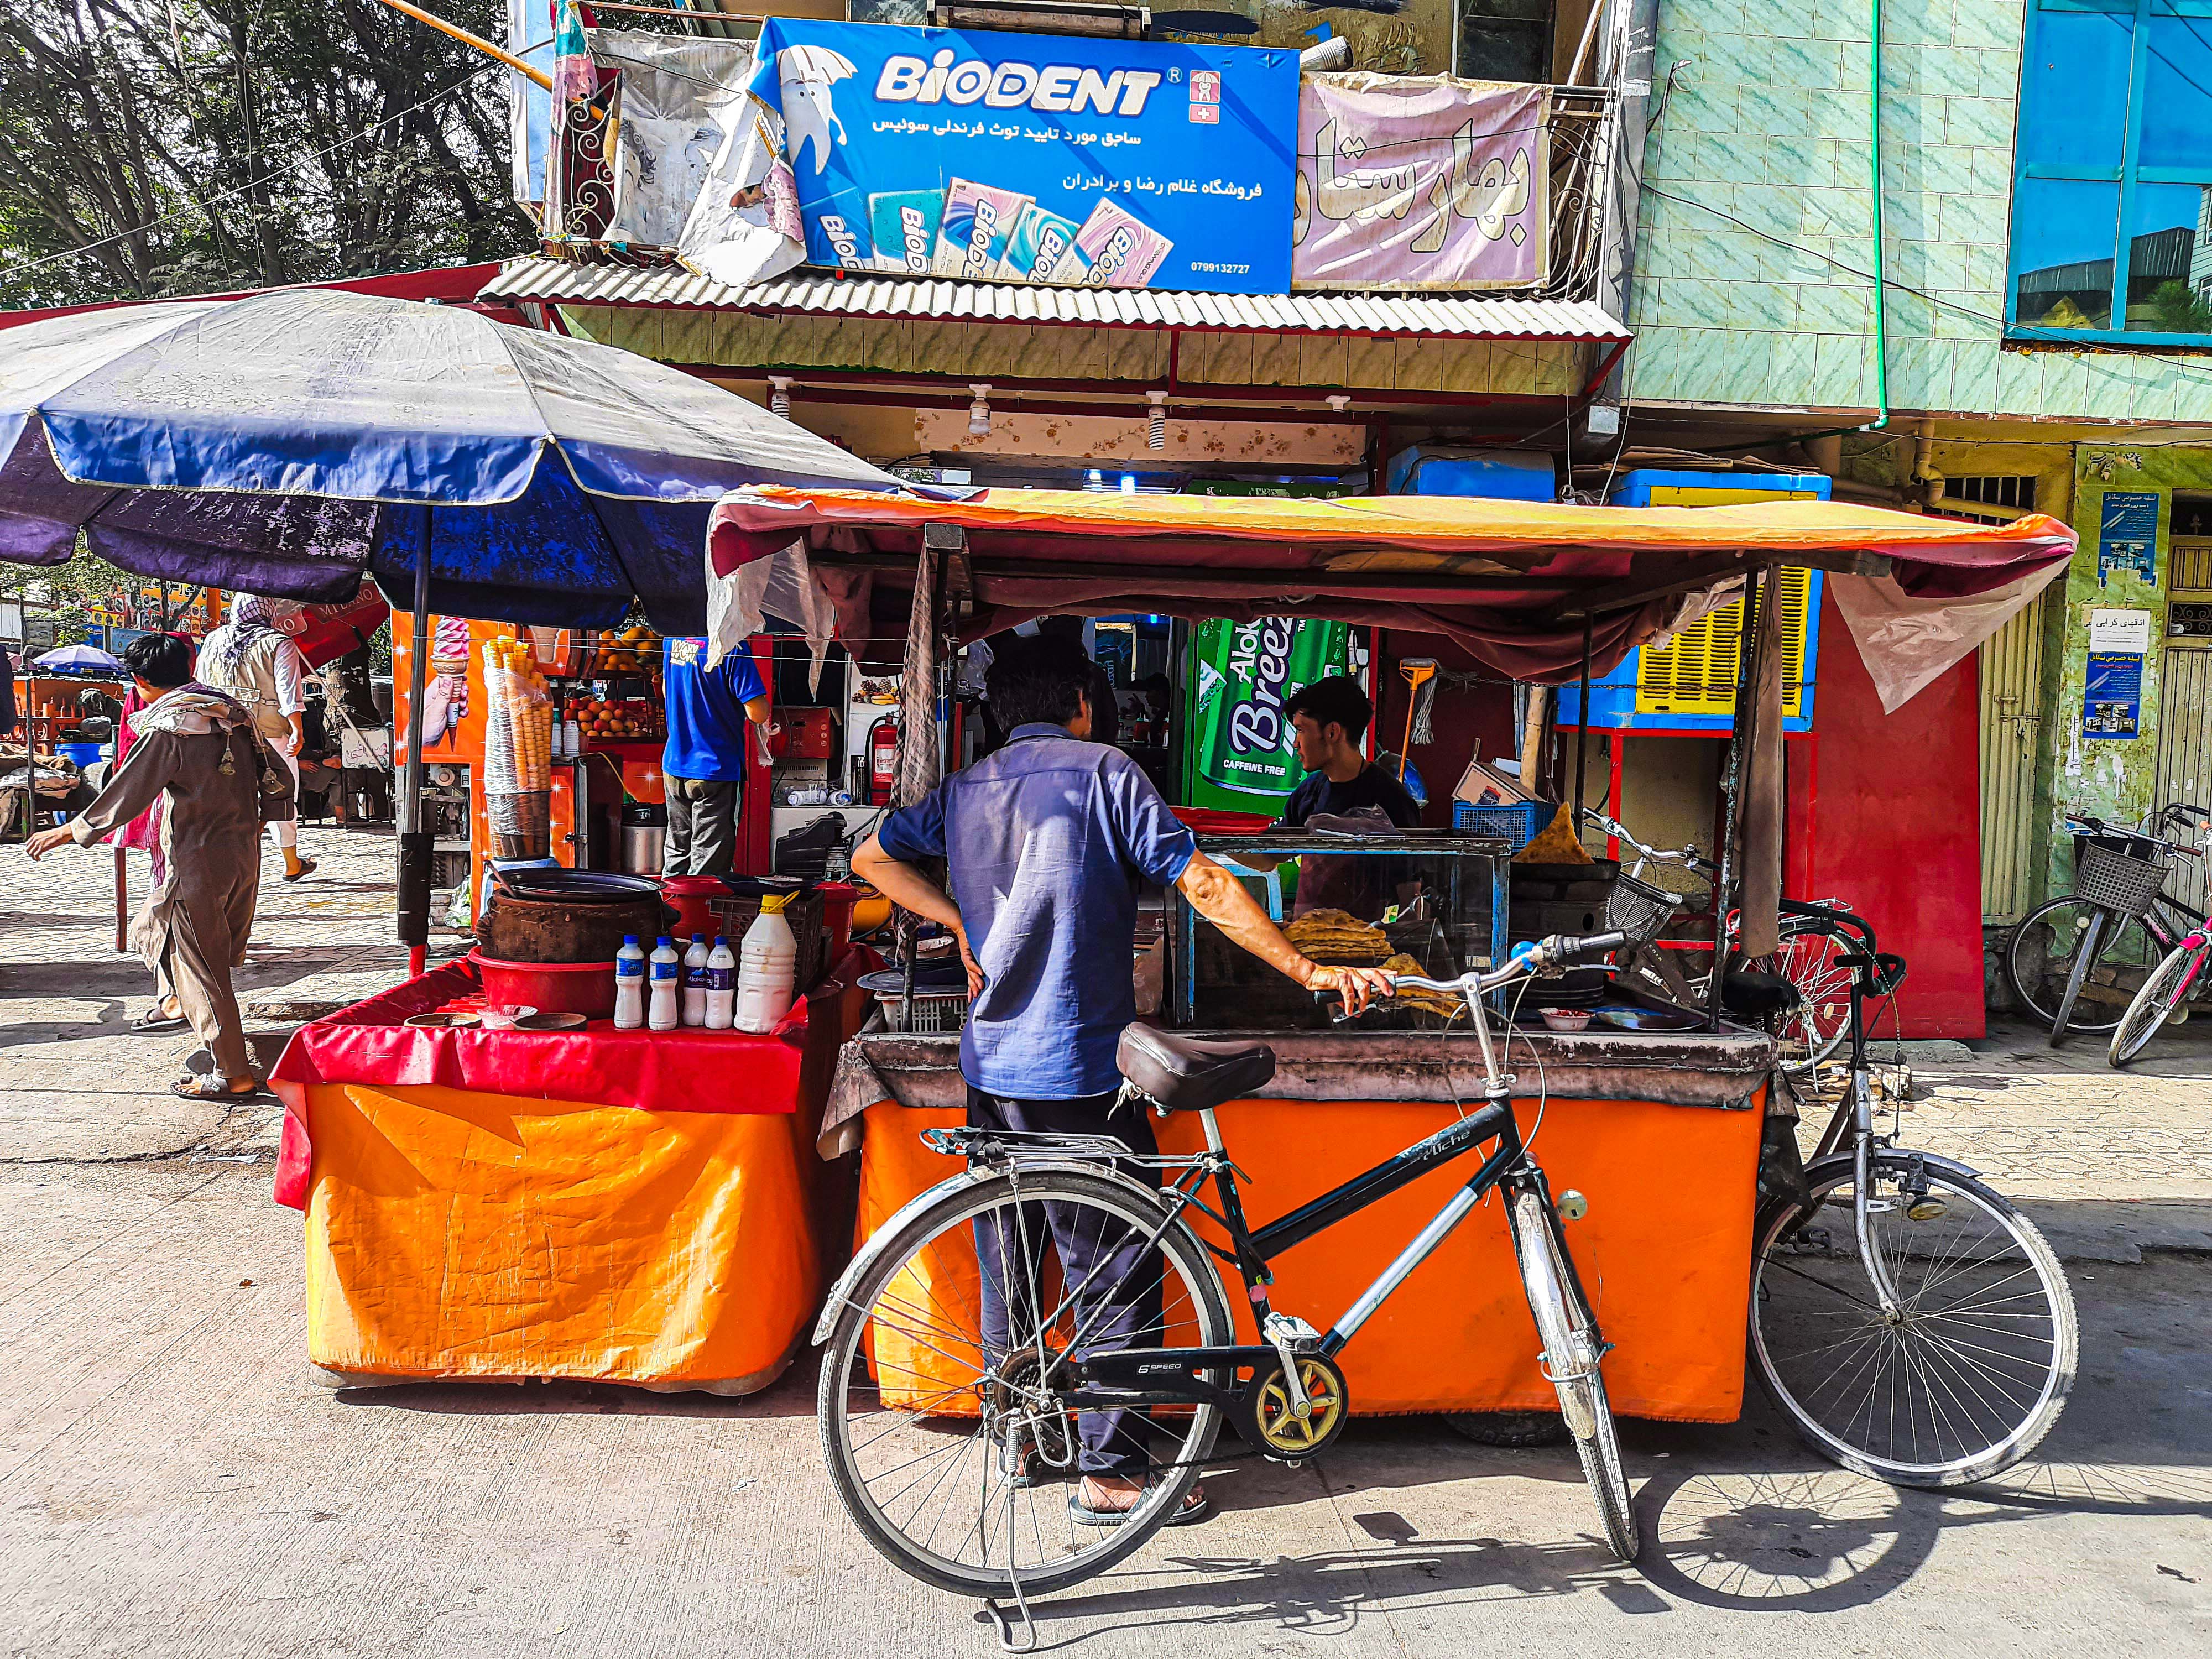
{"x": 1018, "y": 158}
{"x": 1421, "y": 182}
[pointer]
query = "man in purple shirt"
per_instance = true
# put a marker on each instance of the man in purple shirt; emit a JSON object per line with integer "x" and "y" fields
{"x": 1045, "y": 839}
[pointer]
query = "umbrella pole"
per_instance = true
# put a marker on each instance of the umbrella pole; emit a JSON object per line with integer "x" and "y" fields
{"x": 414, "y": 840}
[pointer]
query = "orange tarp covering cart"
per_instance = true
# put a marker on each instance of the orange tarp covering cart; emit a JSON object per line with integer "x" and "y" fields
{"x": 676, "y": 1237}
{"x": 1664, "y": 1252}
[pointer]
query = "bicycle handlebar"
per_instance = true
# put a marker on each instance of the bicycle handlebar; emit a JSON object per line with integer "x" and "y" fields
{"x": 1555, "y": 950}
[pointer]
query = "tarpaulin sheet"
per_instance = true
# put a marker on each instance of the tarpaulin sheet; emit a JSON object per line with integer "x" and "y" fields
{"x": 1665, "y": 1251}
{"x": 673, "y": 1242}
{"x": 1508, "y": 580}
{"x": 686, "y": 1070}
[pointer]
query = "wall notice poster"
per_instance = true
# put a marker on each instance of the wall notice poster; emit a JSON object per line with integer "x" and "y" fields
{"x": 1422, "y": 182}
{"x": 1241, "y": 757}
{"x": 2126, "y": 535}
{"x": 2112, "y": 695}
{"x": 1008, "y": 158}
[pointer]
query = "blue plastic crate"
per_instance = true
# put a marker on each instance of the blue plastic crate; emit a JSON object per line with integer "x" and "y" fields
{"x": 1517, "y": 823}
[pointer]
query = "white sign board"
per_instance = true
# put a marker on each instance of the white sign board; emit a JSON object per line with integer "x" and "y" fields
{"x": 2120, "y": 630}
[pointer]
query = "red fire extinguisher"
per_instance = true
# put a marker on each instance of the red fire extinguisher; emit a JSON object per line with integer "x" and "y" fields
{"x": 883, "y": 760}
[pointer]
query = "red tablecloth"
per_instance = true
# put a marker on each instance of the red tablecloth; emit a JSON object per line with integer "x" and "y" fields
{"x": 686, "y": 1070}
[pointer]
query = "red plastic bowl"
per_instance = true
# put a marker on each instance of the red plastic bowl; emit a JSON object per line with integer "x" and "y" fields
{"x": 551, "y": 987}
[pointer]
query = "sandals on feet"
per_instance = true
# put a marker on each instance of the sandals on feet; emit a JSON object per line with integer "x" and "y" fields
{"x": 306, "y": 868}
{"x": 1196, "y": 1506}
{"x": 194, "y": 1087}
{"x": 154, "y": 1020}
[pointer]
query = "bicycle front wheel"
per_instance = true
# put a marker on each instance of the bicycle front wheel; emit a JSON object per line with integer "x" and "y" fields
{"x": 1972, "y": 1370}
{"x": 2153, "y": 1004}
{"x": 943, "y": 1410}
{"x": 1570, "y": 1359}
{"x": 2039, "y": 956}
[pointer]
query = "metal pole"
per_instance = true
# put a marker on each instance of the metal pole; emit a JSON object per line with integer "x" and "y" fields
{"x": 122, "y": 902}
{"x": 415, "y": 851}
{"x": 1582, "y": 732}
{"x": 1755, "y": 583}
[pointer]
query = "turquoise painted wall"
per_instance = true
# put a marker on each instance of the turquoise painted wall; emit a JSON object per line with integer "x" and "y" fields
{"x": 1758, "y": 190}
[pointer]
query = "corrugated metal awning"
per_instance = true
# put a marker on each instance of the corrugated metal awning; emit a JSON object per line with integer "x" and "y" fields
{"x": 561, "y": 282}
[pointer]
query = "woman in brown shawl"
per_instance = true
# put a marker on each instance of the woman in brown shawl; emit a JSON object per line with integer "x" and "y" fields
{"x": 222, "y": 782}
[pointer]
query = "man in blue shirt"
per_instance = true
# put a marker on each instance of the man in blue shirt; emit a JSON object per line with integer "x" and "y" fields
{"x": 703, "y": 765}
{"x": 1046, "y": 841}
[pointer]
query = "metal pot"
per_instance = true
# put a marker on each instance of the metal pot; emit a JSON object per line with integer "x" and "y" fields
{"x": 644, "y": 837}
{"x": 560, "y": 931}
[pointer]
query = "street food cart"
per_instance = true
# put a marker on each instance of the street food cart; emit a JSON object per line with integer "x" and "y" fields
{"x": 1649, "y": 1125}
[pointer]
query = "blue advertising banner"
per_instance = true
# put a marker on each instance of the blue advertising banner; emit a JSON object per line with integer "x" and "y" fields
{"x": 1020, "y": 158}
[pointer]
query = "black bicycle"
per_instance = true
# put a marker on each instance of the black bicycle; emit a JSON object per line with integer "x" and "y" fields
{"x": 2076, "y": 962}
{"x": 954, "y": 1414}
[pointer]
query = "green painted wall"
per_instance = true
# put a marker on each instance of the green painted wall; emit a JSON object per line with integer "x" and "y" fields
{"x": 1750, "y": 279}
{"x": 2109, "y": 778}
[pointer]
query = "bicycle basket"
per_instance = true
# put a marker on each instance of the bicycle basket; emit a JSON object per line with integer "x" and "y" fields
{"x": 2127, "y": 881}
{"x": 1638, "y": 909}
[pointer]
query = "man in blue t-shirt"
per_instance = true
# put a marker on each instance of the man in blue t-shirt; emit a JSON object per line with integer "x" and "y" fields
{"x": 1046, "y": 841}
{"x": 703, "y": 766}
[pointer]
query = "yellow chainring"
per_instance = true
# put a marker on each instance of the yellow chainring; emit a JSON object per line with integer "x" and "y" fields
{"x": 1284, "y": 1431}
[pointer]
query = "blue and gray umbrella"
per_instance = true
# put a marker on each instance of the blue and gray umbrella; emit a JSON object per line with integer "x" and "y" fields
{"x": 285, "y": 443}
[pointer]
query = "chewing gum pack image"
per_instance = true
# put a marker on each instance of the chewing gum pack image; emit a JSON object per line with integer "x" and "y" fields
{"x": 971, "y": 237}
{"x": 1112, "y": 249}
{"x": 904, "y": 224}
{"x": 1040, "y": 236}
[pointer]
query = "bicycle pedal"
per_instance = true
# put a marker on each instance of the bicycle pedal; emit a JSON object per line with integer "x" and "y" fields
{"x": 1289, "y": 1331}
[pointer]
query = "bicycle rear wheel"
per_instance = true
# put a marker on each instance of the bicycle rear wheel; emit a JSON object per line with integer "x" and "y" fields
{"x": 2038, "y": 956}
{"x": 1570, "y": 1359}
{"x": 1975, "y": 1368}
{"x": 2154, "y": 1003}
{"x": 956, "y": 1454}
{"x": 1816, "y": 1027}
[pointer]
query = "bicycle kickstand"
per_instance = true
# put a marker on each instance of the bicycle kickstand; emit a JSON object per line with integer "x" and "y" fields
{"x": 998, "y": 1614}
{"x": 1006, "y": 1626}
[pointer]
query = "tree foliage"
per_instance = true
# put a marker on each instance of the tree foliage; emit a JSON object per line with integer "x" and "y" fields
{"x": 192, "y": 146}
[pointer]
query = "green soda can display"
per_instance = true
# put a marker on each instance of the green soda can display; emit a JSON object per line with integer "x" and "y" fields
{"x": 1241, "y": 758}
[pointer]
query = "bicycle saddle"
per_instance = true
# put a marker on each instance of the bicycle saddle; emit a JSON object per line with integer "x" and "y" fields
{"x": 1745, "y": 991}
{"x": 1188, "y": 1074}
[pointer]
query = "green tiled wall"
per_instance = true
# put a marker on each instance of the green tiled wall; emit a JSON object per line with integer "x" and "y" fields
{"x": 1752, "y": 282}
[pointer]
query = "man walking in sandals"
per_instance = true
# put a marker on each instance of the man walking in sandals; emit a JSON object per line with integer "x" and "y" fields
{"x": 223, "y": 783}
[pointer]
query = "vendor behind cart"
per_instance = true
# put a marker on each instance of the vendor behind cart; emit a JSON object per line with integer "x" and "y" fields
{"x": 1046, "y": 841}
{"x": 1327, "y": 719}
{"x": 703, "y": 766}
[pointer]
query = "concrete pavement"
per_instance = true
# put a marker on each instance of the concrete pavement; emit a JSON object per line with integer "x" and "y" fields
{"x": 172, "y": 1482}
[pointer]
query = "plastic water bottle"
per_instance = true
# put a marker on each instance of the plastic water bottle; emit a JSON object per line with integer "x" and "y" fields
{"x": 768, "y": 961}
{"x": 721, "y": 986}
{"x": 630, "y": 985}
{"x": 667, "y": 1007}
{"x": 694, "y": 981}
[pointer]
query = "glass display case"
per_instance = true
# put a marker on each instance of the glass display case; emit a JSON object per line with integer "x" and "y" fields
{"x": 1437, "y": 898}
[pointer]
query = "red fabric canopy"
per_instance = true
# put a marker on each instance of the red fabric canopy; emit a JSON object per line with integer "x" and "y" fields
{"x": 1511, "y": 581}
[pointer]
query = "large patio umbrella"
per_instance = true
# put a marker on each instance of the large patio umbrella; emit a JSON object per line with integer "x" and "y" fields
{"x": 286, "y": 443}
{"x": 78, "y": 659}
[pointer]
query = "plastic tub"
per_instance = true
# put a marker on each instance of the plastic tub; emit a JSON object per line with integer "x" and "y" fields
{"x": 693, "y": 897}
{"x": 551, "y": 987}
{"x": 80, "y": 754}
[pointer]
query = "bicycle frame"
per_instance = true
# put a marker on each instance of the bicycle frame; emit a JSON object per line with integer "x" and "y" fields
{"x": 1129, "y": 1378}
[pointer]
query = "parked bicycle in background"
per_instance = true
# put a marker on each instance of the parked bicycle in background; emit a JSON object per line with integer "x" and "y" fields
{"x": 2077, "y": 962}
{"x": 1809, "y": 955}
